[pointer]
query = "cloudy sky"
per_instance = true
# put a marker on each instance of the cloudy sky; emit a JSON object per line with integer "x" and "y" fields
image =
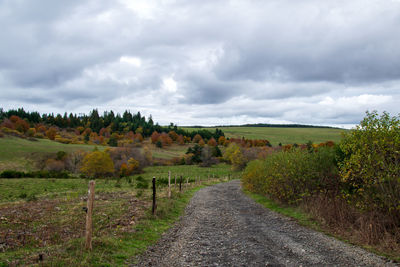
{"x": 203, "y": 62}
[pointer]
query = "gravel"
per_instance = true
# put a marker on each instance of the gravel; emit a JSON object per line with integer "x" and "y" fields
{"x": 224, "y": 227}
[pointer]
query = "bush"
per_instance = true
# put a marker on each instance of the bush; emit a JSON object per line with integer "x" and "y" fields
{"x": 97, "y": 164}
{"x": 370, "y": 167}
{"x": 289, "y": 176}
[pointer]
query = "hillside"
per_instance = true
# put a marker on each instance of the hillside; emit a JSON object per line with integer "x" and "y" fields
{"x": 282, "y": 135}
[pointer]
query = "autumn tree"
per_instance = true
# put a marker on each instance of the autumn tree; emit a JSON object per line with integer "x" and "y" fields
{"x": 201, "y": 143}
{"x": 212, "y": 142}
{"x": 74, "y": 160}
{"x": 197, "y": 138}
{"x": 221, "y": 140}
{"x": 180, "y": 140}
{"x": 154, "y": 137}
{"x": 173, "y": 135}
{"x": 234, "y": 155}
{"x": 51, "y": 133}
{"x": 97, "y": 164}
{"x": 21, "y": 125}
{"x": 165, "y": 139}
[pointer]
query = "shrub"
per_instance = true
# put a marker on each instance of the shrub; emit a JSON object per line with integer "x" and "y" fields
{"x": 234, "y": 155}
{"x": 289, "y": 176}
{"x": 370, "y": 167}
{"x": 97, "y": 164}
{"x": 51, "y": 133}
{"x": 55, "y": 165}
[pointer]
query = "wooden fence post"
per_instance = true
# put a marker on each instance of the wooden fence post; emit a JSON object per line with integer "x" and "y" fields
{"x": 89, "y": 228}
{"x": 153, "y": 209}
{"x": 180, "y": 184}
{"x": 169, "y": 184}
{"x": 175, "y": 181}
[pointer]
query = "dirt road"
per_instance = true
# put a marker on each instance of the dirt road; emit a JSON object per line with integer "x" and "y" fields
{"x": 223, "y": 227}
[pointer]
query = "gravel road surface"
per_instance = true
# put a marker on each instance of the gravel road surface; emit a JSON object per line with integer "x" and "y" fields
{"x": 224, "y": 227}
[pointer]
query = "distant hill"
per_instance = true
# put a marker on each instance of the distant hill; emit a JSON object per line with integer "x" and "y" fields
{"x": 267, "y": 125}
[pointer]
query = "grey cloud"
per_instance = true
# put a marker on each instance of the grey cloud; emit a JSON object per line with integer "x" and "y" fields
{"x": 283, "y": 54}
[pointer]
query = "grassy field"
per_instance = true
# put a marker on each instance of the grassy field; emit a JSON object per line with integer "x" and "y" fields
{"x": 21, "y": 189}
{"x": 17, "y": 153}
{"x": 45, "y": 217}
{"x": 169, "y": 152}
{"x": 278, "y": 135}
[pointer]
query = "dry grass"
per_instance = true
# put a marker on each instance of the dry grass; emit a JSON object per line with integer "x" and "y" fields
{"x": 372, "y": 229}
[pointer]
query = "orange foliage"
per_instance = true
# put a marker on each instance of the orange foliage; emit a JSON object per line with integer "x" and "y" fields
{"x": 180, "y": 140}
{"x": 154, "y": 137}
{"x": 173, "y": 135}
{"x": 221, "y": 140}
{"x": 51, "y": 133}
{"x": 212, "y": 142}
{"x": 201, "y": 143}
{"x": 197, "y": 138}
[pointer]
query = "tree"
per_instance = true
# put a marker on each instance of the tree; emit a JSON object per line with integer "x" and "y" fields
{"x": 180, "y": 140}
{"x": 197, "y": 138}
{"x": 51, "y": 133}
{"x": 212, "y": 142}
{"x": 97, "y": 164}
{"x": 221, "y": 140}
{"x": 201, "y": 143}
{"x": 173, "y": 135}
{"x": 234, "y": 155}
{"x": 113, "y": 140}
{"x": 154, "y": 137}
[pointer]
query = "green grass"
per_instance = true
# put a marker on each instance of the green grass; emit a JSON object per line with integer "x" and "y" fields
{"x": 190, "y": 171}
{"x": 278, "y": 135}
{"x": 169, "y": 152}
{"x": 121, "y": 251}
{"x": 59, "y": 204}
{"x": 295, "y": 213}
{"x": 17, "y": 153}
{"x": 13, "y": 189}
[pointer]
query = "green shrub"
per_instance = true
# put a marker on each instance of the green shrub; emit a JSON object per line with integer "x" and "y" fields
{"x": 289, "y": 176}
{"x": 371, "y": 164}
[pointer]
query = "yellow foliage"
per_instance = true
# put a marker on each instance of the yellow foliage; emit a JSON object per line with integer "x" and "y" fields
{"x": 97, "y": 164}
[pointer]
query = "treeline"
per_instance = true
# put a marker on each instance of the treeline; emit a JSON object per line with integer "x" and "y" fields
{"x": 96, "y": 122}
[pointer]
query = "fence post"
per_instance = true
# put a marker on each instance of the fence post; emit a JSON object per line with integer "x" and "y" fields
{"x": 89, "y": 228}
{"x": 153, "y": 209}
{"x": 169, "y": 184}
{"x": 175, "y": 181}
{"x": 180, "y": 184}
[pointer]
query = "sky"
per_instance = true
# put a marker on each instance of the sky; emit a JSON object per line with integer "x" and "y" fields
{"x": 203, "y": 62}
